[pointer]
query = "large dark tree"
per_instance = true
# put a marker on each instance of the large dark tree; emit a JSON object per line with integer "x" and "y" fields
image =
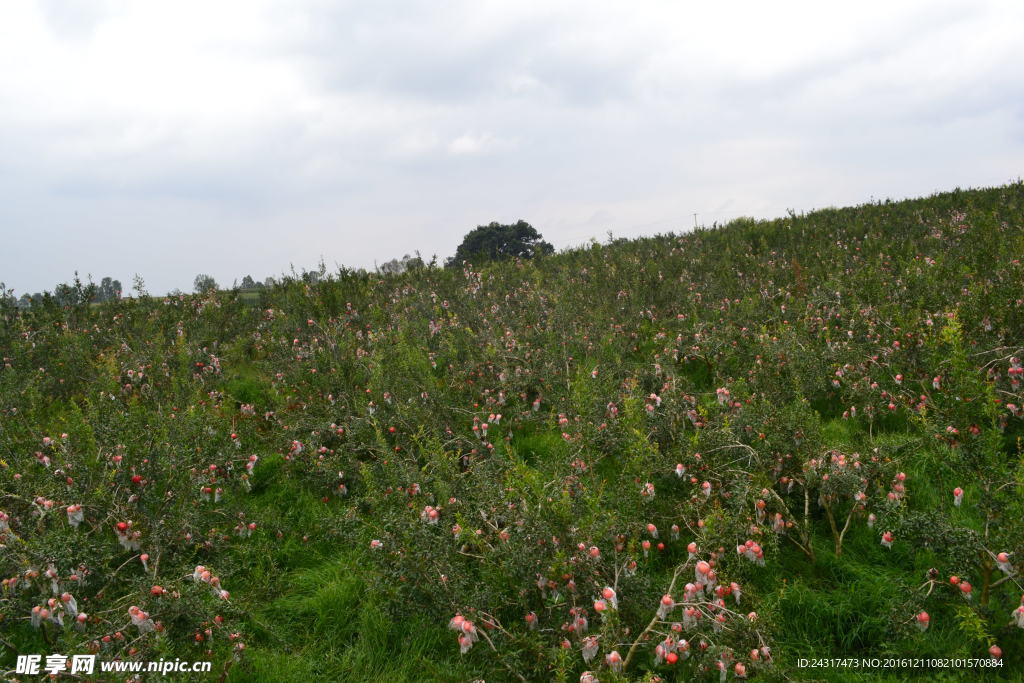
{"x": 496, "y": 242}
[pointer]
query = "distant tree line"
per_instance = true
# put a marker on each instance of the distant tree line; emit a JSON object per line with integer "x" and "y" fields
{"x": 204, "y": 283}
{"x": 491, "y": 242}
{"x": 67, "y": 294}
{"x": 396, "y": 266}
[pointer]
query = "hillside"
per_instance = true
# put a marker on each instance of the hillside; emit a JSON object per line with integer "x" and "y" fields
{"x": 774, "y": 440}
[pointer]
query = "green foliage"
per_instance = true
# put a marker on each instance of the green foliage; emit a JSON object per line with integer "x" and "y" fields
{"x": 204, "y": 283}
{"x": 496, "y": 242}
{"x": 358, "y": 457}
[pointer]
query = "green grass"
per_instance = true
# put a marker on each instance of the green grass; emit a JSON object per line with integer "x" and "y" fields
{"x": 327, "y": 625}
{"x": 310, "y": 610}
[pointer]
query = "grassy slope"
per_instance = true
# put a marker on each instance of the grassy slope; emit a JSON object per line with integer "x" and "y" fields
{"x": 312, "y": 610}
{"x": 324, "y": 624}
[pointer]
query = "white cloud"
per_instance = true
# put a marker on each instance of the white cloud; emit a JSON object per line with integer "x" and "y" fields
{"x": 472, "y": 143}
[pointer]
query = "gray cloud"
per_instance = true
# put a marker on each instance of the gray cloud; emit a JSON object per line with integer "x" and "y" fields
{"x": 239, "y": 137}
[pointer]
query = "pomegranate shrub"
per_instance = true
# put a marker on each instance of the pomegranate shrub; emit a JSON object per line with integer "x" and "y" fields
{"x": 700, "y": 456}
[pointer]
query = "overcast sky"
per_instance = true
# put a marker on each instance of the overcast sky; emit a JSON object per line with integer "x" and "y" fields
{"x": 234, "y": 137}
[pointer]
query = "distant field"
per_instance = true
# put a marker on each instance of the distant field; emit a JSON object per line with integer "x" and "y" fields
{"x": 251, "y": 297}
